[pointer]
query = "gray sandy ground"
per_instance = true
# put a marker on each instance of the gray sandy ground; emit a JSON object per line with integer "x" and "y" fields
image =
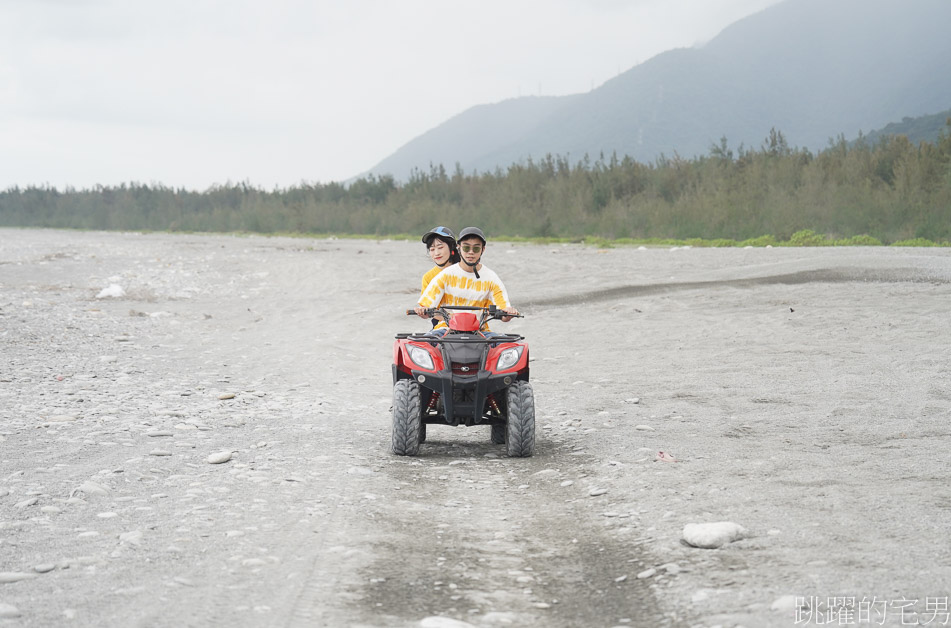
{"x": 804, "y": 392}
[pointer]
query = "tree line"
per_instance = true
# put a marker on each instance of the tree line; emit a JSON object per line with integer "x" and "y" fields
{"x": 888, "y": 191}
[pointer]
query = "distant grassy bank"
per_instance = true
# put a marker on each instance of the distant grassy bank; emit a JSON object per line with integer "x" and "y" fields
{"x": 889, "y": 193}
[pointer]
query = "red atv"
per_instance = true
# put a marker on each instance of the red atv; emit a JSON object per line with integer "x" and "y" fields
{"x": 462, "y": 378}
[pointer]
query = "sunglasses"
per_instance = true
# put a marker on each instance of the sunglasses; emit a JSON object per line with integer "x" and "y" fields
{"x": 470, "y": 248}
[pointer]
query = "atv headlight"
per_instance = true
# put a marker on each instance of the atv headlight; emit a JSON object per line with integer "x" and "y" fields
{"x": 421, "y": 357}
{"x": 509, "y": 358}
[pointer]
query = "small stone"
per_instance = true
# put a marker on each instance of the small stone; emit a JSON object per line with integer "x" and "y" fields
{"x": 443, "y": 622}
{"x": 133, "y": 537}
{"x": 159, "y": 433}
{"x": 597, "y": 491}
{"x": 27, "y": 502}
{"x": 160, "y": 453}
{"x": 90, "y": 488}
{"x": 8, "y": 611}
{"x": 647, "y": 573}
{"x": 225, "y": 396}
{"x": 712, "y": 535}
{"x": 113, "y": 290}
{"x": 621, "y": 578}
{"x": 220, "y": 457}
{"x": 44, "y": 567}
{"x": 785, "y": 603}
{"x": 644, "y": 428}
{"x": 7, "y": 577}
{"x": 567, "y": 483}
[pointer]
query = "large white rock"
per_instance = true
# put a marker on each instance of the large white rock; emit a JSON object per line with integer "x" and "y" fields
{"x": 713, "y": 535}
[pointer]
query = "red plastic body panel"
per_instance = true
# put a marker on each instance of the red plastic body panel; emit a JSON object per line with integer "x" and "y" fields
{"x": 464, "y": 321}
{"x": 492, "y": 359}
{"x": 402, "y": 360}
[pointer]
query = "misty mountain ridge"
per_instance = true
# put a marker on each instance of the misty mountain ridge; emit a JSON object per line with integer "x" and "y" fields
{"x": 921, "y": 129}
{"x": 812, "y": 69}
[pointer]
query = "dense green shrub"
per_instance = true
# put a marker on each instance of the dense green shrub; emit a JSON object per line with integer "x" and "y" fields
{"x": 893, "y": 191}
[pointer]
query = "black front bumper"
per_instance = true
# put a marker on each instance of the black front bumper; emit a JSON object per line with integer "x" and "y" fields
{"x": 477, "y": 389}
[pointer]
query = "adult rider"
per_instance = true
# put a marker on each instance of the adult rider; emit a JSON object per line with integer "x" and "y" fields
{"x": 468, "y": 283}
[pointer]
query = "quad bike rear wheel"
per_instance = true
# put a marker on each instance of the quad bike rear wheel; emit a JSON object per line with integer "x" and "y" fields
{"x": 407, "y": 418}
{"x": 520, "y": 420}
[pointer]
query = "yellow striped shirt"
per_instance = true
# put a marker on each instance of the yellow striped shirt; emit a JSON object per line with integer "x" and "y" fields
{"x": 454, "y": 286}
{"x": 432, "y": 272}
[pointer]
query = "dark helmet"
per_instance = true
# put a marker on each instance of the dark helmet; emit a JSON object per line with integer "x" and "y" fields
{"x": 443, "y": 233}
{"x": 472, "y": 231}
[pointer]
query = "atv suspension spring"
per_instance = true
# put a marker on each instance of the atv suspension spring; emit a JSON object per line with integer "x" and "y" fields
{"x": 495, "y": 406}
{"x": 432, "y": 402}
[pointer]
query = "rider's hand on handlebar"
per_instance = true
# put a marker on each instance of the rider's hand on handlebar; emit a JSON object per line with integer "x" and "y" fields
{"x": 421, "y": 311}
{"x": 509, "y": 310}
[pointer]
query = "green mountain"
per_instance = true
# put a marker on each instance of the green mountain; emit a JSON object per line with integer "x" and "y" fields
{"x": 812, "y": 69}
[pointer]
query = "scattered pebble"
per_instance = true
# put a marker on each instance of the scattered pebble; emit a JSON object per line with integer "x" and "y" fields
{"x": 112, "y": 291}
{"x": 90, "y": 488}
{"x": 597, "y": 491}
{"x": 133, "y": 537}
{"x": 784, "y": 604}
{"x": 647, "y": 573}
{"x": 444, "y": 622}
{"x": 7, "y": 577}
{"x": 218, "y": 458}
{"x": 8, "y": 611}
{"x": 712, "y": 535}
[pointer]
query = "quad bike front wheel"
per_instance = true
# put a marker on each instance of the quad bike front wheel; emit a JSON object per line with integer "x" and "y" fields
{"x": 407, "y": 418}
{"x": 498, "y": 434}
{"x": 520, "y": 420}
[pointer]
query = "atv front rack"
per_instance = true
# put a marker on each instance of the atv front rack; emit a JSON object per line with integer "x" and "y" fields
{"x": 470, "y": 336}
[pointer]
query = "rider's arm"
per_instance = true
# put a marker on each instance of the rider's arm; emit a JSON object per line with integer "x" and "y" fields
{"x": 501, "y": 299}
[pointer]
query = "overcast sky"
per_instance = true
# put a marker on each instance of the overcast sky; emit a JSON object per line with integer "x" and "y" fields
{"x": 193, "y": 93}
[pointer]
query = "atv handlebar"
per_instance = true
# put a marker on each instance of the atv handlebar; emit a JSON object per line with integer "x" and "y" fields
{"x": 488, "y": 313}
